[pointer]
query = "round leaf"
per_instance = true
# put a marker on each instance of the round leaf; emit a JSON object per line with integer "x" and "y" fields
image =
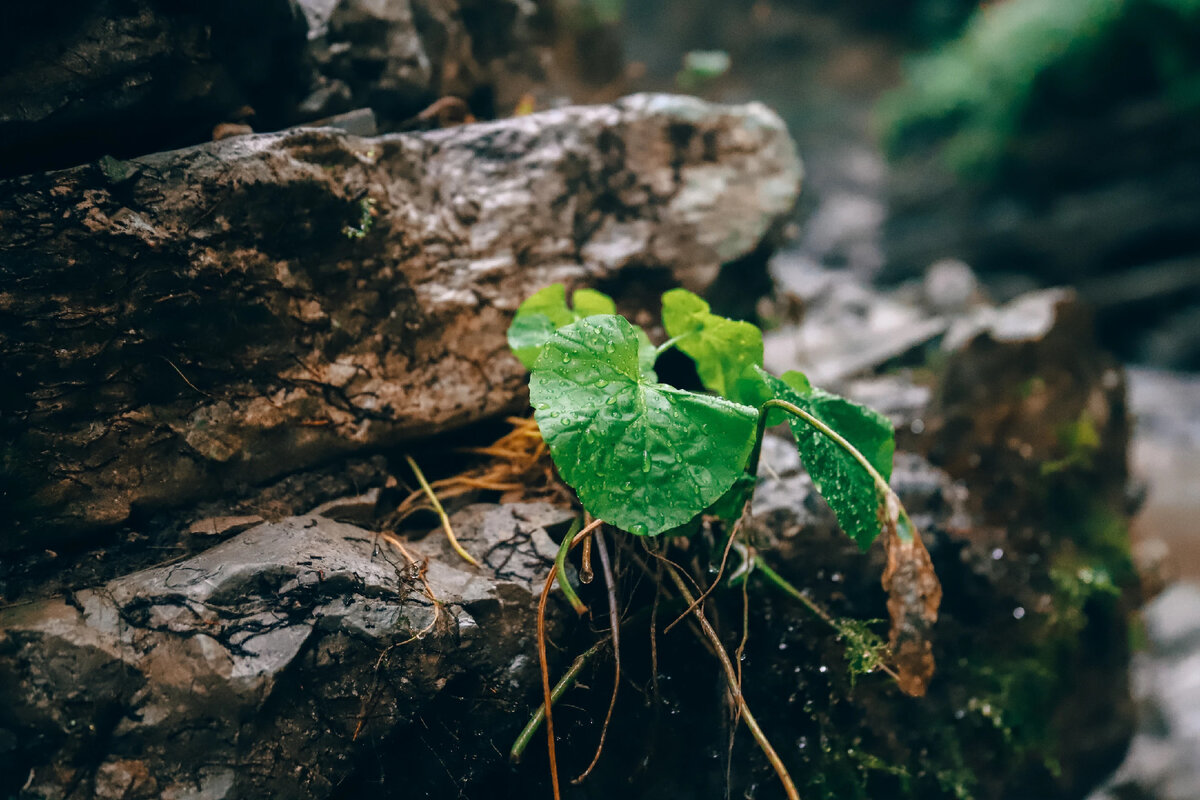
{"x": 641, "y": 455}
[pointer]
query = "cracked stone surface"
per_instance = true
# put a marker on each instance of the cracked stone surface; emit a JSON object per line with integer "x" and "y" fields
{"x": 187, "y": 321}
{"x": 254, "y": 668}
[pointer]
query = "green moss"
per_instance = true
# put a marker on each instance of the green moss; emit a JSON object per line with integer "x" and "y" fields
{"x": 366, "y": 220}
{"x": 1080, "y": 440}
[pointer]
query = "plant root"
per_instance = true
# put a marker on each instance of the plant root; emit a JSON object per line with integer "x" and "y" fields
{"x": 614, "y": 621}
{"x": 737, "y": 528}
{"x": 547, "y": 695}
{"x": 735, "y": 689}
{"x": 437, "y": 615}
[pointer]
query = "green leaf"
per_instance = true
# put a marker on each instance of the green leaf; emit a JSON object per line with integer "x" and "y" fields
{"x": 729, "y": 506}
{"x": 725, "y": 351}
{"x": 643, "y": 456}
{"x": 589, "y": 303}
{"x": 843, "y": 482}
{"x": 545, "y": 311}
{"x": 647, "y": 354}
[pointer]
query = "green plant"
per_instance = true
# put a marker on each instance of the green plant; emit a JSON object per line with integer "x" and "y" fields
{"x": 653, "y": 459}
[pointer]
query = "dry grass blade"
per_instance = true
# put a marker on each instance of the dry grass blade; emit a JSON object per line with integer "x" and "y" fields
{"x": 441, "y": 512}
{"x": 518, "y": 467}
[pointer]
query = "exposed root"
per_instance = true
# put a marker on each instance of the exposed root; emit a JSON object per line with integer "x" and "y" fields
{"x": 716, "y": 580}
{"x": 585, "y": 566}
{"x": 614, "y": 620}
{"x": 420, "y": 567}
{"x": 735, "y": 689}
{"x": 547, "y": 696}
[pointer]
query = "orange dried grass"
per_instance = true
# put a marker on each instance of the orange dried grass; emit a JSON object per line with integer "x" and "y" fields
{"x": 518, "y": 466}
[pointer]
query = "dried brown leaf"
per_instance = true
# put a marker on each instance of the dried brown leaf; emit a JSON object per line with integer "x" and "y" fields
{"x": 914, "y": 594}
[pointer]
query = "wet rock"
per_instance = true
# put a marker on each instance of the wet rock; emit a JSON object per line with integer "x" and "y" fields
{"x": 1016, "y": 429}
{"x": 292, "y": 647}
{"x": 357, "y": 510}
{"x": 399, "y": 57}
{"x": 999, "y": 617}
{"x": 224, "y": 526}
{"x": 1119, "y": 226}
{"x": 1165, "y": 457}
{"x": 222, "y": 315}
{"x": 80, "y": 80}
{"x": 1028, "y": 395}
{"x": 847, "y": 329}
{"x": 950, "y": 286}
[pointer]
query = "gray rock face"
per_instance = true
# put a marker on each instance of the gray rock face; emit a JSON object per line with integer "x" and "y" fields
{"x": 250, "y": 307}
{"x": 81, "y": 79}
{"x": 254, "y": 668}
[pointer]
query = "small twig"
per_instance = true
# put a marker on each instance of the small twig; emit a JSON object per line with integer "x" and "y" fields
{"x": 735, "y": 690}
{"x": 441, "y": 512}
{"x": 185, "y": 380}
{"x": 615, "y": 623}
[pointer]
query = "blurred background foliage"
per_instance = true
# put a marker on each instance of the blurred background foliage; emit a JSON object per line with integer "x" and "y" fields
{"x": 1020, "y": 67}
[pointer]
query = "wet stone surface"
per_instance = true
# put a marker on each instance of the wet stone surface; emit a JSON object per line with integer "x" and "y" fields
{"x": 253, "y": 668}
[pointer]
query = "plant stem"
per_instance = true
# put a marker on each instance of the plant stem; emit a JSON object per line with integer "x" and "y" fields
{"x": 441, "y": 512}
{"x": 781, "y": 583}
{"x": 560, "y": 568}
{"x": 560, "y": 688}
{"x": 567, "y": 543}
{"x": 614, "y": 622}
{"x": 668, "y": 344}
{"x": 735, "y": 688}
{"x": 777, "y": 579}
{"x": 881, "y": 485}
